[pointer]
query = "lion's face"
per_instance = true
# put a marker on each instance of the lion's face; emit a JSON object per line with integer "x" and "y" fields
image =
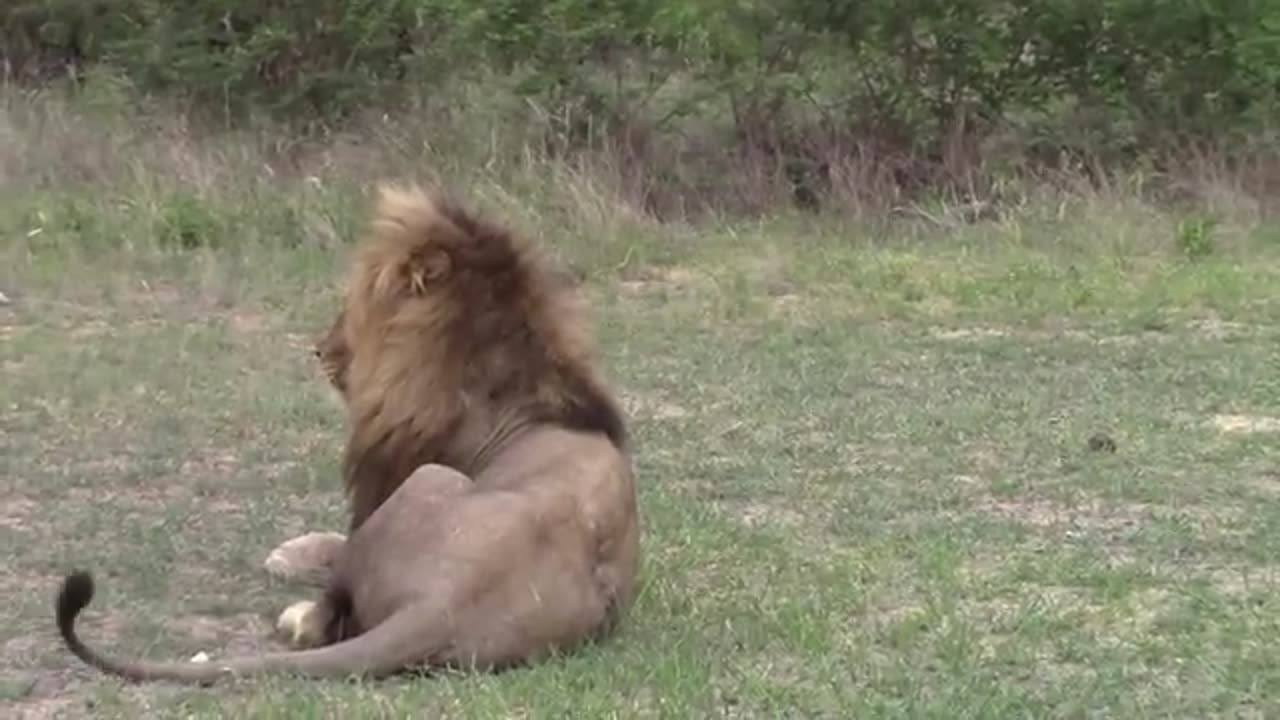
{"x": 334, "y": 354}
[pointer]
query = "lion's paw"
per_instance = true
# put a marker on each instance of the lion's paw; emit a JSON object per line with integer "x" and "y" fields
{"x": 302, "y": 625}
{"x": 306, "y": 559}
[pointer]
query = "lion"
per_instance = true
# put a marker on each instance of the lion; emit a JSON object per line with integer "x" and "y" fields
{"x": 493, "y": 508}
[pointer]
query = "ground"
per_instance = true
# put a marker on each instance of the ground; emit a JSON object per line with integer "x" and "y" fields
{"x": 864, "y": 465}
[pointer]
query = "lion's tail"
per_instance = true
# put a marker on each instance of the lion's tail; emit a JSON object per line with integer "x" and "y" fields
{"x": 383, "y": 650}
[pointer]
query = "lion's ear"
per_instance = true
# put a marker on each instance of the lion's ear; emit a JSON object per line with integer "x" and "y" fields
{"x": 428, "y": 267}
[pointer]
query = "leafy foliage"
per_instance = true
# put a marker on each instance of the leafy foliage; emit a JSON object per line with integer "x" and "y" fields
{"x": 924, "y": 79}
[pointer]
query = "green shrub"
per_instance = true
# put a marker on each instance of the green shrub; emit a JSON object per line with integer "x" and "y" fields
{"x": 794, "y": 82}
{"x": 1195, "y": 236}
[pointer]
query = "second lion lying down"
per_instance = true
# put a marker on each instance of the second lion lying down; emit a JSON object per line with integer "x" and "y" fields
{"x": 493, "y": 506}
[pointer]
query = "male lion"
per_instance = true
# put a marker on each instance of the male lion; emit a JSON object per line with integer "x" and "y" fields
{"x": 493, "y": 508}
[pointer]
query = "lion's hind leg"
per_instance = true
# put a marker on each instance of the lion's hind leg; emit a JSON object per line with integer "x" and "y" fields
{"x": 307, "y": 623}
{"x": 429, "y": 485}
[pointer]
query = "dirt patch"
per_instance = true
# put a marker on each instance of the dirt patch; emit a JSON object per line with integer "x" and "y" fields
{"x": 1049, "y": 336}
{"x": 15, "y": 512}
{"x": 1047, "y": 513}
{"x": 1146, "y": 608}
{"x": 653, "y": 408}
{"x": 1245, "y": 424}
{"x": 248, "y": 323}
{"x": 299, "y": 341}
{"x": 225, "y": 636}
{"x": 1264, "y": 480}
{"x": 104, "y": 466}
{"x": 1218, "y": 329}
{"x": 969, "y": 333}
{"x": 1098, "y": 516}
{"x": 1234, "y": 580}
{"x": 887, "y": 617}
{"x": 220, "y": 463}
{"x": 152, "y": 293}
{"x": 48, "y": 708}
{"x": 12, "y": 332}
{"x": 92, "y": 329}
{"x": 1139, "y": 339}
{"x": 1090, "y": 517}
{"x": 759, "y": 514}
{"x": 148, "y": 499}
{"x": 986, "y": 459}
{"x": 645, "y": 280}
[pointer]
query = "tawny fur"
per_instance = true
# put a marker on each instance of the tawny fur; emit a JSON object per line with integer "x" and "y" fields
{"x": 492, "y": 339}
{"x": 333, "y": 354}
{"x": 493, "y": 506}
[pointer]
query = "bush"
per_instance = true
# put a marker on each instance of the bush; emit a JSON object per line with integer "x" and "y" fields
{"x": 927, "y": 87}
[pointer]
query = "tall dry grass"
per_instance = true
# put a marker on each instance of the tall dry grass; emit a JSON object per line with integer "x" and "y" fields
{"x": 118, "y": 161}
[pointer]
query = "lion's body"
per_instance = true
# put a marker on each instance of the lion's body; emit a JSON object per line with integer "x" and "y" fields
{"x": 515, "y": 560}
{"x": 493, "y": 505}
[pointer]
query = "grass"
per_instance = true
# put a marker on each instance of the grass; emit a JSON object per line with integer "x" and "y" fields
{"x": 862, "y": 449}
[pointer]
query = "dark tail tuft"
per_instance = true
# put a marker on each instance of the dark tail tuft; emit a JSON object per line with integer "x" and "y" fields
{"x": 76, "y": 592}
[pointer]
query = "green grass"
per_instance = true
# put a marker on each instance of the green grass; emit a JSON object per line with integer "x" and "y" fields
{"x": 861, "y": 449}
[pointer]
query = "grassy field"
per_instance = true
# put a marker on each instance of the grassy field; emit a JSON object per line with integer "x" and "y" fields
{"x": 863, "y": 448}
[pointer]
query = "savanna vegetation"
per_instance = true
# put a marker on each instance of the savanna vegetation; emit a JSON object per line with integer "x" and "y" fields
{"x": 947, "y": 331}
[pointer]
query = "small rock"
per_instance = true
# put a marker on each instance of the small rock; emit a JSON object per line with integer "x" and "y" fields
{"x": 200, "y": 657}
{"x": 1101, "y": 442}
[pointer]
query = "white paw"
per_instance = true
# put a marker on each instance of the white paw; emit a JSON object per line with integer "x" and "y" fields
{"x": 301, "y": 625}
{"x": 307, "y": 558}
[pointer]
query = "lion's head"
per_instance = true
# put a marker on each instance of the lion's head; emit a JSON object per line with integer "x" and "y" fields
{"x": 454, "y": 334}
{"x": 334, "y": 355}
